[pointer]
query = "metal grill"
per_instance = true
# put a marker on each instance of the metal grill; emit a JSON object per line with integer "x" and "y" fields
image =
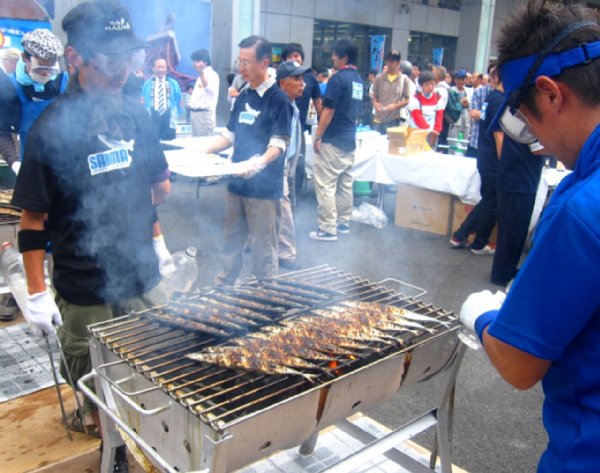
{"x": 189, "y": 416}
{"x": 157, "y": 341}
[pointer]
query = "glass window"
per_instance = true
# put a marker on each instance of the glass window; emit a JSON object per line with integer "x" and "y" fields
{"x": 421, "y": 45}
{"x": 327, "y": 32}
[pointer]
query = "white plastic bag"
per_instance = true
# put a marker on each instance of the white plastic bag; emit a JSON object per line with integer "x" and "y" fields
{"x": 369, "y": 214}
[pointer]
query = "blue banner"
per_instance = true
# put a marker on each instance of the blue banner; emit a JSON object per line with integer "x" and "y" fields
{"x": 377, "y": 44}
{"x": 437, "y": 56}
{"x": 12, "y": 30}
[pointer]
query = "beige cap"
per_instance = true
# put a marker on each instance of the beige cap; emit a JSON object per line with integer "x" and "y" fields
{"x": 10, "y": 53}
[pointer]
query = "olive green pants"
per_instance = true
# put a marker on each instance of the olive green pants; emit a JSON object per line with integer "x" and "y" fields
{"x": 74, "y": 336}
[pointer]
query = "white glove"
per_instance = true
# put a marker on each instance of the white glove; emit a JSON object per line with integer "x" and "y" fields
{"x": 16, "y": 167}
{"x": 166, "y": 265}
{"x": 253, "y": 166}
{"x": 478, "y": 304}
{"x": 41, "y": 312}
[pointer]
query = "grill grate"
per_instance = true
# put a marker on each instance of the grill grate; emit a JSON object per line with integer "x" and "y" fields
{"x": 157, "y": 341}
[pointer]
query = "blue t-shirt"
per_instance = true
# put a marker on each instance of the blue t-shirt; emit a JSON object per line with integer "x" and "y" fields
{"x": 487, "y": 157}
{"x": 311, "y": 91}
{"x": 553, "y": 312}
{"x": 344, "y": 95}
{"x": 255, "y": 120}
{"x": 519, "y": 170}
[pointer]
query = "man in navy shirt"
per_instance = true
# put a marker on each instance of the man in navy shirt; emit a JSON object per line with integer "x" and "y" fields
{"x": 547, "y": 328}
{"x": 334, "y": 144}
{"x": 259, "y": 130}
{"x": 482, "y": 218}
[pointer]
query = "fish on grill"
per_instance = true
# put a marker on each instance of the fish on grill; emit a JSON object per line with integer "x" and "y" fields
{"x": 237, "y": 361}
{"x": 186, "y": 323}
{"x": 351, "y": 327}
{"x": 236, "y": 319}
{"x": 279, "y": 357}
{"x": 323, "y": 333}
{"x": 205, "y": 318}
{"x": 295, "y": 339}
{"x": 298, "y": 349}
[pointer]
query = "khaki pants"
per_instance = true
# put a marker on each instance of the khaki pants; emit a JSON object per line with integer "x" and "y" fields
{"x": 286, "y": 233}
{"x": 333, "y": 186}
{"x": 254, "y": 220}
{"x": 74, "y": 336}
{"x": 203, "y": 123}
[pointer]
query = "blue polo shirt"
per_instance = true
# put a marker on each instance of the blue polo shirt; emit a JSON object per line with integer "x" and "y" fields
{"x": 344, "y": 95}
{"x": 553, "y": 312}
{"x": 255, "y": 120}
{"x": 487, "y": 157}
{"x": 311, "y": 91}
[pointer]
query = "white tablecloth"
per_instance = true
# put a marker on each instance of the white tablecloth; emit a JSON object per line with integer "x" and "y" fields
{"x": 189, "y": 159}
{"x": 454, "y": 175}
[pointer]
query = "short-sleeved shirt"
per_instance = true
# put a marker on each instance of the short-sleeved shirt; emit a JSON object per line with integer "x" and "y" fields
{"x": 344, "y": 95}
{"x": 477, "y": 100}
{"x": 255, "y": 120}
{"x": 553, "y": 312}
{"x": 97, "y": 195}
{"x": 487, "y": 157}
{"x": 311, "y": 91}
{"x": 519, "y": 170}
{"x": 387, "y": 91}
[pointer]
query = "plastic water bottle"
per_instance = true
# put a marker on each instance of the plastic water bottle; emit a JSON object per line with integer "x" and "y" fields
{"x": 185, "y": 274}
{"x": 13, "y": 272}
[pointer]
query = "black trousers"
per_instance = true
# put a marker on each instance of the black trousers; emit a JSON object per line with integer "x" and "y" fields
{"x": 514, "y": 215}
{"x": 162, "y": 125}
{"x": 482, "y": 218}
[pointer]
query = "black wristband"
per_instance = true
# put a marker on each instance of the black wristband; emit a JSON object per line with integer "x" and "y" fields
{"x": 32, "y": 240}
{"x": 154, "y": 214}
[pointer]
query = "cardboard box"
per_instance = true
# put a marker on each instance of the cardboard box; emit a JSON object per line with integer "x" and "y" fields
{"x": 460, "y": 211}
{"x": 397, "y": 137}
{"x": 423, "y": 209}
{"x": 404, "y": 141}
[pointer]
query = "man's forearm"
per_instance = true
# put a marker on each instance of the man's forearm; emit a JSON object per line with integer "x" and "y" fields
{"x": 217, "y": 143}
{"x": 325, "y": 121}
{"x": 33, "y": 260}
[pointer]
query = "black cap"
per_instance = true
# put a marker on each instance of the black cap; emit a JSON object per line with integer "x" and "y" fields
{"x": 460, "y": 74}
{"x": 103, "y": 27}
{"x": 392, "y": 56}
{"x": 290, "y": 69}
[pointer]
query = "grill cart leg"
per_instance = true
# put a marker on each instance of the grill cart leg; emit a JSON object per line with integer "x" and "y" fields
{"x": 308, "y": 446}
{"x": 110, "y": 436}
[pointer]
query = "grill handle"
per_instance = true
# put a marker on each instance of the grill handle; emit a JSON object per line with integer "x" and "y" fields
{"x": 126, "y": 396}
{"x": 148, "y": 450}
{"x": 420, "y": 290}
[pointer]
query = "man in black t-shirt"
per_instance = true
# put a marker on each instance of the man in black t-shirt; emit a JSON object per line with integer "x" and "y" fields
{"x": 335, "y": 142}
{"x": 94, "y": 167}
{"x": 259, "y": 130}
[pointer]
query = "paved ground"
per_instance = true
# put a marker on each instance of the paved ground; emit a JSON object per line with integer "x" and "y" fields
{"x": 496, "y": 428}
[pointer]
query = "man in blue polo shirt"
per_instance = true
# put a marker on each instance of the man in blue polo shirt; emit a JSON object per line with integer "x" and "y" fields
{"x": 334, "y": 144}
{"x": 259, "y": 130}
{"x": 547, "y": 329}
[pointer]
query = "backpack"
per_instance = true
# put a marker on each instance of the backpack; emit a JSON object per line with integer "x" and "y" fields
{"x": 453, "y": 108}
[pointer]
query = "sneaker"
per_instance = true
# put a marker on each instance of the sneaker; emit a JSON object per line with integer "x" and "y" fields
{"x": 456, "y": 243}
{"x": 486, "y": 250}
{"x": 289, "y": 264}
{"x": 343, "y": 228}
{"x": 322, "y": 236}
{"x": 121, "y": 464}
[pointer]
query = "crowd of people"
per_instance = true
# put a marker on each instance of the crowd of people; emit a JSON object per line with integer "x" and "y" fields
{"x": 94, "y": 150}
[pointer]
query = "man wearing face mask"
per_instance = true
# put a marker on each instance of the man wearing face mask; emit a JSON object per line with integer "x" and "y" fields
{"x": 37, "y": 81}
{"x": 94, "y": 166}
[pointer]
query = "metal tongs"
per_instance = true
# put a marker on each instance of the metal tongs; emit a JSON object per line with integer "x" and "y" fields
{"x": 57, "y": 384}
